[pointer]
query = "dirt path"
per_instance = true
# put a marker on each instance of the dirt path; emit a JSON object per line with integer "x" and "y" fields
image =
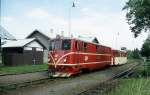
{"x": 70, "y": 86}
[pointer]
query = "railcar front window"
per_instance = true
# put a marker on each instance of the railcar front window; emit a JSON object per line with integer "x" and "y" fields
{"x": 55, "y": 45}
{"x": 66, "y": 44}
{"x": 51, "y": 47}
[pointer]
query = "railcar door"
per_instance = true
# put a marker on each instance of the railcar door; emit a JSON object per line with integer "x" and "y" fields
{"x": 77, "y": 52}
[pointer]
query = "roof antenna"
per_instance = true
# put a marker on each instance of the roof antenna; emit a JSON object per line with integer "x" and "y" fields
{"x": 62, "y": 33}
{"x": 51, "y": 32}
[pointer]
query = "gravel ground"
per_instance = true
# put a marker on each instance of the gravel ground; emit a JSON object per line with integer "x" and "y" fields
{"x": 69, "y": 86}
{"x": 15, "y": 79}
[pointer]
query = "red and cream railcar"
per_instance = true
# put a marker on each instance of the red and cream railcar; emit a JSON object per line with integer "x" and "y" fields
{"x": 71, "y": 56}
{"x": 119, "y": 57}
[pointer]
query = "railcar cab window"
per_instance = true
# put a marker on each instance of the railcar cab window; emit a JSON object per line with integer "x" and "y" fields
{"x": 66, "y": 45}
{"x": 58, "y": 44}
{"x": 55, "y": 45}
{"x": 51, "y": 46}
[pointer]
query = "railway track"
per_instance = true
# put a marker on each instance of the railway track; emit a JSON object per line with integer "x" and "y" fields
{"x": 110, "y": 83}
{"x": 74, "y": 85}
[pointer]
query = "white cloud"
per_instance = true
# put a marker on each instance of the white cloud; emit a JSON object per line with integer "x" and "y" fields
{"x": 43, "y": 15}
{"x": 104, "y": 26}
{"x": 84, "y": 9}
{"x": 37, "y": 13}
{"x": 7, "y": 19}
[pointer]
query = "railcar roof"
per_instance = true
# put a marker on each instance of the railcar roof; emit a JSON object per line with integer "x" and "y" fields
{"x": 81, "y": 40}
{"x": 119, "y": 50}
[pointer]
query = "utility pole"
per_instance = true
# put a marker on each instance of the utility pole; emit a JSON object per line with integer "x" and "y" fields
{"x": 0, "y": 51}
{"x": 69, "y": 23}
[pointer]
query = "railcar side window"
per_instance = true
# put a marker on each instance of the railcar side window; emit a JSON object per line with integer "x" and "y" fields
{"x": 78, "y": 46}
{"x": 85, "y": 46}
{"x": 66, "y": 44}
{"x": 97, "y": 48}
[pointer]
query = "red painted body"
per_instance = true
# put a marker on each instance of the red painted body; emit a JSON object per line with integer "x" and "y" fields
{"x": 78, "y": 57}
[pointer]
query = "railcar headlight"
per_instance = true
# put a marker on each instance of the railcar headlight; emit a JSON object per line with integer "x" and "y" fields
{"x": 65, "y": 60}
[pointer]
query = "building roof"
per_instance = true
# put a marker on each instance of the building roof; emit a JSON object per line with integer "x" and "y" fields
{"x": 46, "y": 34}
{"x": 37, "y": 31}
{"x": 20, "y": 43}
{"x": 4, "y": 34}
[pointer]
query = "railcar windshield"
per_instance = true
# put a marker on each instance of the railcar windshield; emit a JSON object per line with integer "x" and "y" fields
{"x": 60, "y": 44}
{"x": 66, "y": 44}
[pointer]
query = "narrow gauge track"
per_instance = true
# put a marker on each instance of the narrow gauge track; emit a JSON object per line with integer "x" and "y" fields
{"x": 18, "y": 80}
{"x": 5, "y": 74}
{"x": 109, "y": 83}
{"x": 71, "y": 86}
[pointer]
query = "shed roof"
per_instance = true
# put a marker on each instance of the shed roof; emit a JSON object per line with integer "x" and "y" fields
{"x": 18, "y": 43}
{"x": 46, "y": 34}
{"x": 37, "y": 31}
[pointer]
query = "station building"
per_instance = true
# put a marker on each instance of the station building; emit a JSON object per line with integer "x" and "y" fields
{"x": 23, "y": 52}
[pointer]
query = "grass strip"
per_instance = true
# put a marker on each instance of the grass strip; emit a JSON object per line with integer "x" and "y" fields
{"x": 22, "y": 69}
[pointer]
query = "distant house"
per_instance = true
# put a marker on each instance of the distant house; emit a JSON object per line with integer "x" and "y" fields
{"x": 22, "y": 52}
{"x": 4, "y": 37}
{"x": 4, "y": 34}
{"x": 44, "y": 38}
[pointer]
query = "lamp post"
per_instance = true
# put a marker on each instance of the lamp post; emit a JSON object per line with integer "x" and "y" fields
{"x": 69, "y": 23}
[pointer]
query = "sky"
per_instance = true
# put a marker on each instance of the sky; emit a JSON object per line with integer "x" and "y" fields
{"x": 103, "y": 19}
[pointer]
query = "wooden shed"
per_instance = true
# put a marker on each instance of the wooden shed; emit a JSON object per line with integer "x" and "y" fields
{"x": 23, "y": 52}
{"x": 42, "y": 38}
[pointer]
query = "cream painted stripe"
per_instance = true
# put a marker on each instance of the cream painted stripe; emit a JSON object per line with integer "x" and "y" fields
{"x": 52, "y": 58}
{"x": 64, "y": 56}
{"x": 95, "y": 62}
{"x": 80, "y": 53}
{"x": 81, "y": 63}
{"x": 92, "y": 54}
{"x": 64, "y": 64}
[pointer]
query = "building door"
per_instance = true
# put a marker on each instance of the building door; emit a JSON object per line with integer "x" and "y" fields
{"x": 34, "y": 59}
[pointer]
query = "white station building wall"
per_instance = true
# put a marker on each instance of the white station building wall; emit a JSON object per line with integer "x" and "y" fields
{"x": 35, "y": 45}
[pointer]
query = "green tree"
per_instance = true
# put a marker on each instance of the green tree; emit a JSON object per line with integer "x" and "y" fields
{"x": 136, "y": 53}
{"x": 138, "y": 15}
{"x": 129, "y": 54}
{"x": 145, "y": 51}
